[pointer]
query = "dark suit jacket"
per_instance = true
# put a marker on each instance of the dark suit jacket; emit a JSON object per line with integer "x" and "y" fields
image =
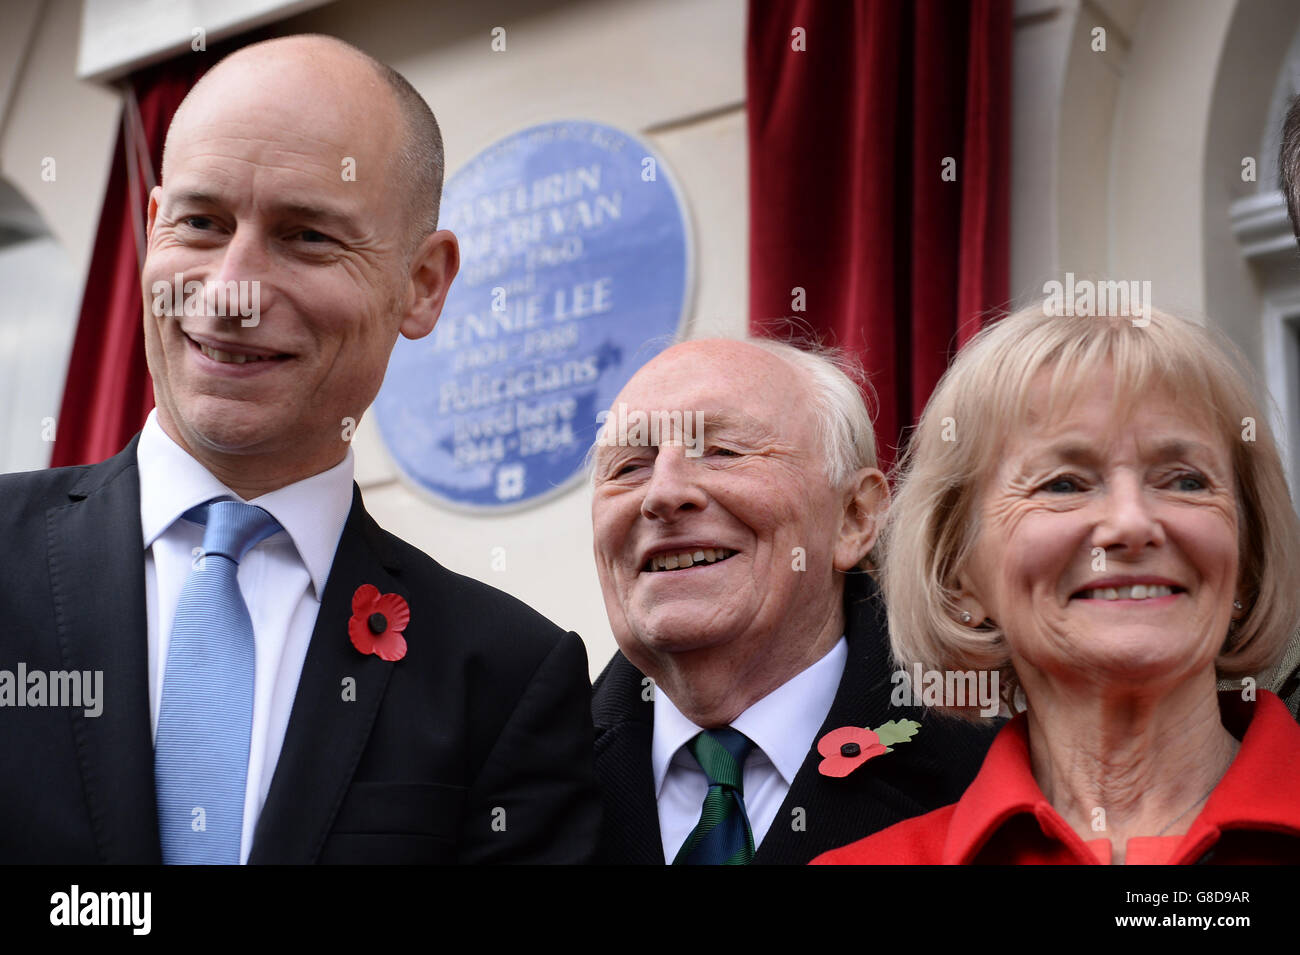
{"x": 928, "y": 771}
{"x": 476, "y": 747}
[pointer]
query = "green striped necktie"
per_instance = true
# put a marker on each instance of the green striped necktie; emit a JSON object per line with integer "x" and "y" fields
{"x": 722, "y": 836}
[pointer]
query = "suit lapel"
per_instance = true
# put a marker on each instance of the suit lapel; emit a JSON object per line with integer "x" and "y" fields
{"x": 832, "y": 808}
{"x": 101, "y": 624}
{"x": 327, "y": 733}
{"x": 624, "y": 729}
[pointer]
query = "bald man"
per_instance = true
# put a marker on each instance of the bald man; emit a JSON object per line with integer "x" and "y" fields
{"x": 214, "y": 654}
{"x": 734, "y": 559}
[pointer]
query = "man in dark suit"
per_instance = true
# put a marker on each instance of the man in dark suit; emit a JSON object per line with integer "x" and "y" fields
{"x": 733, "y": 548}
{"x": 282, "y": 681}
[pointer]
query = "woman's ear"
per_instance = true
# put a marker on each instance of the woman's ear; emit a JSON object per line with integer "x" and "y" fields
{"x": 971, "y": 610}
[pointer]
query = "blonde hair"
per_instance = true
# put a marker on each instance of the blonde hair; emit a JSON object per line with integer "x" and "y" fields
{"x": 933, "y": 523}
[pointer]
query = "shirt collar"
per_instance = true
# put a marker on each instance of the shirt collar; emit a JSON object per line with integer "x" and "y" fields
{"x": 782, "y": 724}
{"x": 671, "y": 732}
{"x": 1258, "y": 788}
{"x": 311, "y": 511}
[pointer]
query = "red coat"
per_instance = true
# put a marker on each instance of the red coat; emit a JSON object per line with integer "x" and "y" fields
{"x": 1253, "y": 815}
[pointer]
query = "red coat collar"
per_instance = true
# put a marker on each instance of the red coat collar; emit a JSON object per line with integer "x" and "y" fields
{"x": 1257, "y": 792}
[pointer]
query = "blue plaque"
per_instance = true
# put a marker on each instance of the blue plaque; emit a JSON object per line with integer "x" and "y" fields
{"x": 575, "y": 271}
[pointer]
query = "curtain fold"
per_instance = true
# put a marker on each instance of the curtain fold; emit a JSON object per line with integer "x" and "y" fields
{"x": 879, "y": 159}
{"x": 108, "y": 392}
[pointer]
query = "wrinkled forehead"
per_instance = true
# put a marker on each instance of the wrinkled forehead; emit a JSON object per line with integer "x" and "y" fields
{"x": 1072, "y": 416}
{"x": 1062, "y": 390}
{"x": 729, "y": 384}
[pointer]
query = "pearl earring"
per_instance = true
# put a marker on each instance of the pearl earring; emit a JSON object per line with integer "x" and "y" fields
{"x": 965, "y": 617}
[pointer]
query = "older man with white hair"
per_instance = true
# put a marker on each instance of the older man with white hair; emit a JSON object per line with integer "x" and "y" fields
{"x": 751, "y": 713}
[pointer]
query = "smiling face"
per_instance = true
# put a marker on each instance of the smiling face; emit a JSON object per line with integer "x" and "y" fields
{"x": 1108, "y": 549}
{"x": 254, "y": 190}
{"x": 700, "y": 553}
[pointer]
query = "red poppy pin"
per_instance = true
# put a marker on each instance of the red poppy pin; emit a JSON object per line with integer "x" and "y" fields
{"x": 377, "y": 623}
{"x": 848, "y": 747}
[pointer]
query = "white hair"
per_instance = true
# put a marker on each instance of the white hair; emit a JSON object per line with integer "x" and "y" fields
{"x": 844, "y": 420}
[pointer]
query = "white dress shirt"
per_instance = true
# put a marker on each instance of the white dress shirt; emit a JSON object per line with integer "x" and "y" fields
{"x": 783, "y": 726}
{"x": 281, "y": 579}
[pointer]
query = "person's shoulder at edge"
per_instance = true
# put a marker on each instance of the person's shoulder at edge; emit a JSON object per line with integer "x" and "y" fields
{"x": 47, "y": 482}
{"x": 26, "y": 496}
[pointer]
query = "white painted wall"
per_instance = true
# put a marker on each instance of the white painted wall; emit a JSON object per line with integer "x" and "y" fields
{"x": 41, "y": 297}
{"x": 1128, "y": 160}
{"x": 52, "y": 113}
{"x": 45, "y": 113}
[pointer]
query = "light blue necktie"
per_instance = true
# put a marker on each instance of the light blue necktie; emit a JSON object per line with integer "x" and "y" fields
{"x": 205, "y": 718}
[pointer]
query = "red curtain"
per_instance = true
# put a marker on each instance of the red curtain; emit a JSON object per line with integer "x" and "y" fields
{"x": 108, "y": 392}
{"x": 879, "y": 158}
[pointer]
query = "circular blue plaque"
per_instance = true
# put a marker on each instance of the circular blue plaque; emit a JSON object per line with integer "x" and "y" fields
{"x": 575, "y": 271}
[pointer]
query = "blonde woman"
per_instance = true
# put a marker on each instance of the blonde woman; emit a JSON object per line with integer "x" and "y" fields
{"x": 1096, "y": 510}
